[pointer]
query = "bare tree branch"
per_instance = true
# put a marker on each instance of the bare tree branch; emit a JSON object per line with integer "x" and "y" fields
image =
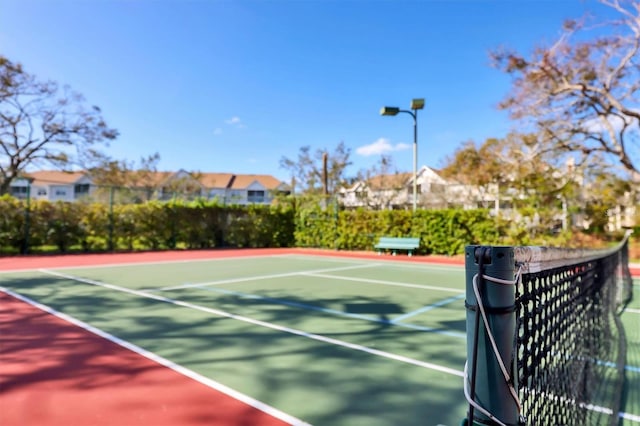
{"x": 41, "y": 123}
{"x": 584, "y": 93}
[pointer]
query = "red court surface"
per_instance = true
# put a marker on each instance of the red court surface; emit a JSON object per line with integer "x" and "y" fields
{"x": 53, "y": 373}
{"x": 70, "y": 260}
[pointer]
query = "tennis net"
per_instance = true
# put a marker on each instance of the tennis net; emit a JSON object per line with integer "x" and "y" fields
{"x": 547, "y": 345}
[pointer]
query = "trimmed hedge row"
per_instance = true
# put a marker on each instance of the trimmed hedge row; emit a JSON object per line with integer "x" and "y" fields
{"x": 62, "y": 227}
{"x": 440, "y": 231}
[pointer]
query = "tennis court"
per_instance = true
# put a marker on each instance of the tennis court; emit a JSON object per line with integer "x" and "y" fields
{"x": 327, "y": 340}
{"x": 631, "y": 321}
{"x": 318, "y": 339}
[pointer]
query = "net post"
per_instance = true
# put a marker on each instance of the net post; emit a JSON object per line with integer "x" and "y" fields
{"x": 485, "y": 382}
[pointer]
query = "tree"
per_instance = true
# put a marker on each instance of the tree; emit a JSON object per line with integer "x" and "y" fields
{"x": 519, "y": 172}
{"x": 42, "y": 123}
{"x": 606, "y": 193}
{"x": 141, "y": 182}
{"x": 185, "y": 187}
{"x": 383, "y": 184}
{"x": 581, "y": 93}
{"x": 477, "y": 169}
{"x": 307, "y": 169}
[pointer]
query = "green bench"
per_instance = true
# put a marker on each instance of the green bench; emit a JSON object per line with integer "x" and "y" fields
{"x": 397, "y": 243}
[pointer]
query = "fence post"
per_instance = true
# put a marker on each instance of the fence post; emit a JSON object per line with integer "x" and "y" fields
{"x": 27, "y": 221}
{"x": 336, "y": 217}
{"x": 485, "y": 382}
{"x": 111, "y": 220}
{"x": 174, "y": 238}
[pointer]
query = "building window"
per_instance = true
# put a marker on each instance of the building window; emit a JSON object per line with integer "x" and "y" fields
{"x": 61, "y": 192}
{"x": 437, "y": 188}
{"x": 42, "y": 191}
{"x": 19, "y": 191}
{"x": 81, "y": 189}
{"x": 255, "y": 196}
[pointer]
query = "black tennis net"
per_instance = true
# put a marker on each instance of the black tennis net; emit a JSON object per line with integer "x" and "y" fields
{"x": 570, "y": 348}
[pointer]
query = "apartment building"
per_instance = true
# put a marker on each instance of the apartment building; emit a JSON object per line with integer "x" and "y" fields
{"x": 228, "y": 188}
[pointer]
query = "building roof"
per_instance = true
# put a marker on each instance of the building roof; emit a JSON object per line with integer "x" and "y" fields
{"x": 244, "y": 181}
{"x": 143, "y": 178}
{"x": 157, "y": 179}
{"x": 52, "y": 177}
{"x": 215, "y": 180}
{"x": 397, "y": 180}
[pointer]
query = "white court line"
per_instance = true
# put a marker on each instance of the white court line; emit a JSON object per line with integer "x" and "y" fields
{"x": 265, "y": 324}
{"x": 387, "y": 262}
{"x": 631, "y": 417}
{"x": 428, "y": 308}
{"x": 274, "y": 412}
{"x": 332, "y": 311}
{"x": 262, "y": 277}
{"x": 382, "y": 282}
{"x": 155, "y": 262}
{"x": 633, "y": 311}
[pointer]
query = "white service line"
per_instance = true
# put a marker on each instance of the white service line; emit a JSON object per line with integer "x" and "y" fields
{"x": 274, "y": 412}
{"x": 633, "y": 311}
{"x": 428, "y": 308}
{"x": 387, "y": 262}
{"x": 153, "y": 262}
{"x": 382, "y": 282}
{"x": 263, "y": 277}
{"x": 265, "y": 324}
{"x": 631, "y": 417}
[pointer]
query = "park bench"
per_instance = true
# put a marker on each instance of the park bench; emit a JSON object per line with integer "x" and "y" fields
{"x": 397, "y": 243}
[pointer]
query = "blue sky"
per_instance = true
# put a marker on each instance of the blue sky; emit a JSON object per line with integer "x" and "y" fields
{"x": 232, "y": 86}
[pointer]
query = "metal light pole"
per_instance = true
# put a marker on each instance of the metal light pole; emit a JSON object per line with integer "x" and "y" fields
{"x": 416, "y": 104}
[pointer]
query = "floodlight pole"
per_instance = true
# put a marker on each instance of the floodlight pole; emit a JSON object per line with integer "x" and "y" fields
{"x": 415, "y": 158}
{"x": 416, "y": 104}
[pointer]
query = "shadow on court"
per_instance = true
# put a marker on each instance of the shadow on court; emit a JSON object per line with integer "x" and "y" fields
{"x": 318, "y": 381}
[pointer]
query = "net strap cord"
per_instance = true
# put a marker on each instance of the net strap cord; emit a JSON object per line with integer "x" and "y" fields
{"x": 494, "y": 346}
{"x": 472, "y": 402}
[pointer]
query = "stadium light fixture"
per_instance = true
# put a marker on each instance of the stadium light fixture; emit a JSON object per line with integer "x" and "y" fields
{"x": 391, "y": 111}
{"x": 416, "y": 104}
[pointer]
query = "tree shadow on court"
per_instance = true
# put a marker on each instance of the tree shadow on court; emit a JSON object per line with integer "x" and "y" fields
{"x": 347, "y": 386}
{"x": 458, "y": 325}
{"x": 380, "y": 309}
{"x": 318, "y": 380}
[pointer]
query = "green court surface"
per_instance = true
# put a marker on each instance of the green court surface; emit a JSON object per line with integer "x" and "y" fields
{"x": 631, "y": 321}
{"x": 329, "y": 340}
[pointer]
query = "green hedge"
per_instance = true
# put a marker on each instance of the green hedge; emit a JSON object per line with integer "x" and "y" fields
{"x": 43, "y": 226}
{"x": 440, "y": 231}
{"x": 154, "y": 225}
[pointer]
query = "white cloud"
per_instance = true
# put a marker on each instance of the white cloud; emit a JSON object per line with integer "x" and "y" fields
{"x": 217, "y": 131}
{"x": 381, "y": 146}
{"x": 234, "y": 120}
